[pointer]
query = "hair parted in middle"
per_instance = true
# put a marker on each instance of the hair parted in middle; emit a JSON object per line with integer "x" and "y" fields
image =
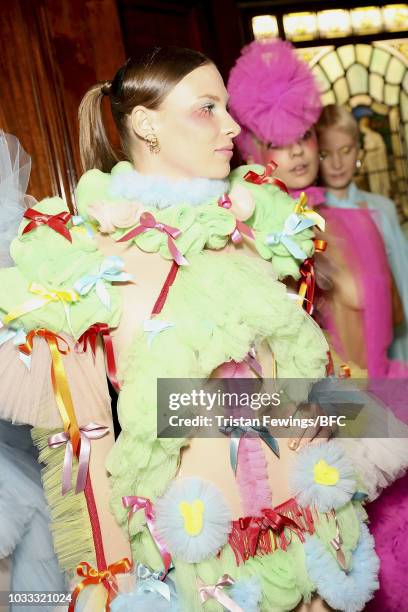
{"x": 145, "y": 80}
{"x": 335, "y": 116}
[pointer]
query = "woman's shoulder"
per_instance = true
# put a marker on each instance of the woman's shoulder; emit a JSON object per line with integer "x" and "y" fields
{"x": 94, "y": 185}
{"x": 376, "y": 200}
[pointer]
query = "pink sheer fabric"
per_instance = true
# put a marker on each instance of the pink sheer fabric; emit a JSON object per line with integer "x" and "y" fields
{"x": 364, "y": 253}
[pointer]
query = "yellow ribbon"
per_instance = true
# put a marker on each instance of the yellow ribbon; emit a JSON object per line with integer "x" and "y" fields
{"x": 59, "y": 380}
{"x": 301, "y": 209}
{"x": 45, "y": 296}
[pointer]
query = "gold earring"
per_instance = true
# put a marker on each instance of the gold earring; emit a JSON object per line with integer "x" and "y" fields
{"x": 153, "y": 143}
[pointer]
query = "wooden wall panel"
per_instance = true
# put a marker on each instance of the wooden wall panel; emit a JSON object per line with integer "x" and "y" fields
{"x": 210, "y": 26}
{"x": 51, "y": 52}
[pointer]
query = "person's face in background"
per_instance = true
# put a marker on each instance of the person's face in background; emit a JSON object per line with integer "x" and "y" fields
{"x": 338, "y": 157}
{"x": 298, "y": 163}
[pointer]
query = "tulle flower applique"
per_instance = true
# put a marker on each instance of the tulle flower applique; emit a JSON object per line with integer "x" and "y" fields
{"x": 193, "y": 519}
{"x": 111, "y": 216}
{"x": 323, "y": 477}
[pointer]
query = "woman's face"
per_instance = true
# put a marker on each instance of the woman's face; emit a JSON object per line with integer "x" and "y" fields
{"x": 194, "y": 129}
{"x": 338, "y": 155}
{"x": 298, "y": 163}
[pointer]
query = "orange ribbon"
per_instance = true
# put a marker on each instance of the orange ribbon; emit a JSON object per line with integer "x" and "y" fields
{"x": 320, "y": 245}
{"x": 106, "y": 576}
{"x": 345, "y": 371}
{"x": 59, "y": 380}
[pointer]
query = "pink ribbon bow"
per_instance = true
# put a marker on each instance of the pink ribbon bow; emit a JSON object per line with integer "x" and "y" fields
{"x": 56, "y": 222}
{"x": 135, "y": 503}
{"x": 216, "y": 591}
{"x": 147, "y": 221}
{"x": 240, "y": 226}
{"x": 92, "y": 431}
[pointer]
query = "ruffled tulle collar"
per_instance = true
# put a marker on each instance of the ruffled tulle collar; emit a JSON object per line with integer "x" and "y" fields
{"x": 161, "y": 192}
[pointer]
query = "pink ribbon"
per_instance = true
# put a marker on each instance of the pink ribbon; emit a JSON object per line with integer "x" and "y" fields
{"x": 92, "y": 431}
{"x": 147, "y": 221}
{"x": 253, "y": 363}
{"x": 135, "y": 503}
{"x": 240, "y": 226}
{"x": 216, "y": 591}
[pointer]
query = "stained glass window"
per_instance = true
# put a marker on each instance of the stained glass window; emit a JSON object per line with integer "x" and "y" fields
{"x": 357, "y": 77}
{"x": 391, "y": 94}
{"x": 363, "y": 54}
{"x": 376, "y": 86}
{"x": 323, "y": 81}
{"x": 404, "y": 106}
{"x": 341, "y": 90}
{"x": 395, "y": 71}
{"x": 375, "y": 76}
{"x": 347, "y": 55}
{"x": 328, "y": 98}
{"x": 379, "y": 61}
{"x": 332, "y": 66}
{"x": 264, "y": 27}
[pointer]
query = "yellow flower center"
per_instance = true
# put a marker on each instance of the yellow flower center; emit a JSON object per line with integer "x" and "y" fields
{"x": 325, "y": 474}
{"x": 193, "y": 516}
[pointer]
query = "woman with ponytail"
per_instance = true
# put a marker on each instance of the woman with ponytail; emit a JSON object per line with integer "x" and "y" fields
{"x": 171, "y": 270}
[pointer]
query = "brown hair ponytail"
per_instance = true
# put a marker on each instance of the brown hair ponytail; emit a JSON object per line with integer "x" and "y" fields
{"x": 95, "y": 148}
{"x": 145, "y": 80}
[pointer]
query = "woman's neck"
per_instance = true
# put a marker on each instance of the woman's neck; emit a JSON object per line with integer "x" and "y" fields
{"x": 340, "y": 194}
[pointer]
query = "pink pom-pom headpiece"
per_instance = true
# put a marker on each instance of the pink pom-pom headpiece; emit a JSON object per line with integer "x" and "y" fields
{"x": 273, "y": 95}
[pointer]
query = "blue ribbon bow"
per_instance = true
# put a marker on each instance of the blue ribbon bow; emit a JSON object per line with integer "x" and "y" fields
{"x": 292, "y": 226}
{"x": 151, "y": 581}
{"x": 111, "y": 271}
{"x": 236, "y": 433}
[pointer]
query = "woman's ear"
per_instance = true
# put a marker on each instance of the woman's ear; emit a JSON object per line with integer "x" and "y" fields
{"x": 142, "y": 122}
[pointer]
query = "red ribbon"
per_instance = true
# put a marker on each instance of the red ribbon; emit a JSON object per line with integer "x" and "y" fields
{"x": 92, "y": 431}
{"x": 136, "y": 503}
{"x": 90, "y": 335}
{"x": 266, "y": 177}
{"x": 240, "y": 227}
{"x": 308, "y": 281}
{"x": 147, "y": 221}
{"x": 93, "y": 576}
{"x": 56, "y": 222}
{"x": 271, "y": 519}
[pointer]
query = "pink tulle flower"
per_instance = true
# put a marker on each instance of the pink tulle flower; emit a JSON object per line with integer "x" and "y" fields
{"x": 111, "y": 216}
{"x": 273, "y": 94}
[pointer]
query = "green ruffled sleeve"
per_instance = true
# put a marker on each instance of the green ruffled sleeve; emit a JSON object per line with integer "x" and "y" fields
{"x": 48, "y": 263}
{"x": 206, "y": 226}
{"x": 281, "y": 236}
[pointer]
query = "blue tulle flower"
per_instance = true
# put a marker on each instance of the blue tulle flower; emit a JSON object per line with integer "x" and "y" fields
{"x": 247, "y": 593}
{"x": 350, "y": 591}
{"x": 146, "y": 599}
{"x": 193, "y": 519}
{"x": 323, "y": 476}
